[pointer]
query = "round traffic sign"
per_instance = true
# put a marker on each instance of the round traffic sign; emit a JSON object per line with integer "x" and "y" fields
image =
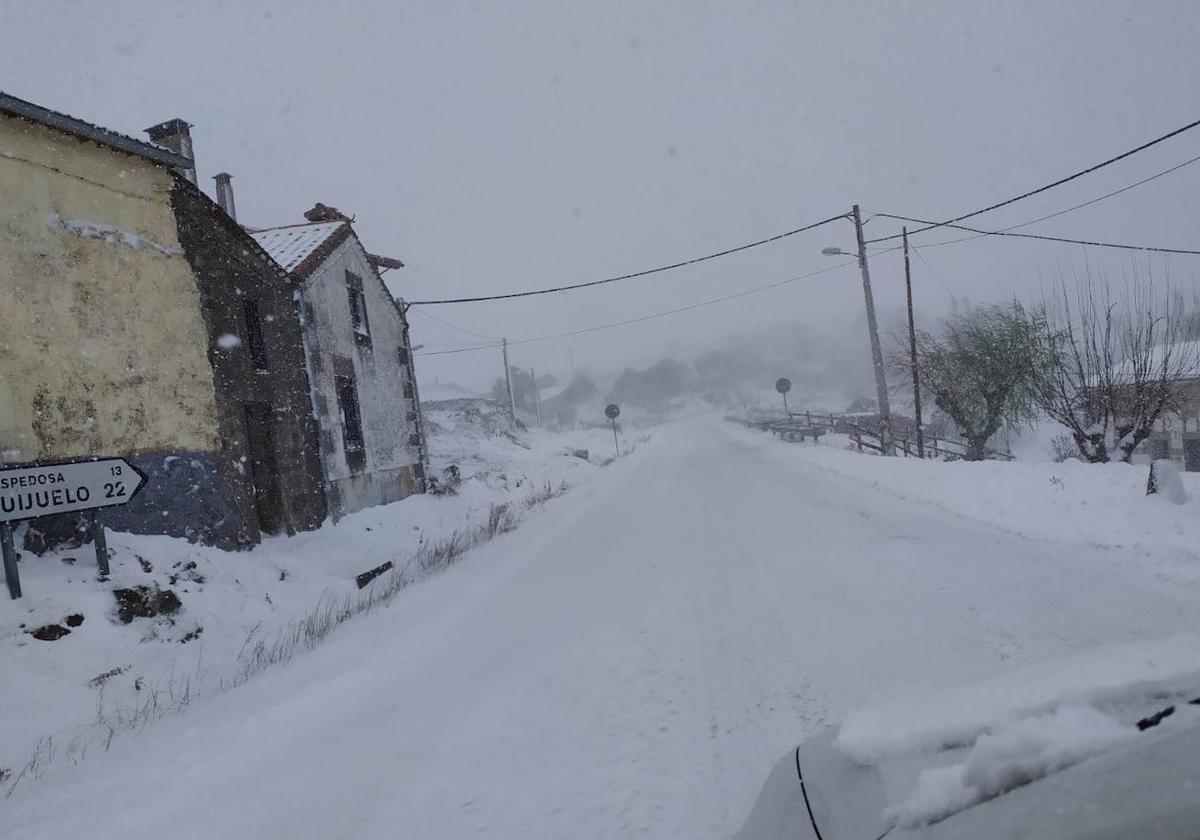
{"x": 612, "y": 411}
{"x": 783, "y": 385}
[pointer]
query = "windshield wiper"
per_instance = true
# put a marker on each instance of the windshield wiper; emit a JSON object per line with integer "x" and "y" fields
{"x": 1158, "y": 717}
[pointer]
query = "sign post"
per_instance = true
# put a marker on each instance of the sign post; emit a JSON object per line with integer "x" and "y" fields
{"x": 612, "y": 411}
{"x": 783, "y": 385}
{"x": 12, "y": 575}
{"x": 99, "y": 541}
{"x": 47, "y": 489}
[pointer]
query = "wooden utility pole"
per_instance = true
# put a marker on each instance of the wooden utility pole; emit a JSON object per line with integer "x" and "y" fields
{"x": 512, "y": 403}
{"x": 886, "y": 438}
{"x": 537, "y": 399}
{"x": 912, "y": 346}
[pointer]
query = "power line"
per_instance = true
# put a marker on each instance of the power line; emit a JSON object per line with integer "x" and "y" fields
{"x": 635, "y": 274}
{"x": 932, "y": 270}
{"x": 1095, "y": 243}
{"x": 653, "y": 315}
{"x": 462, "y": 330}
{"x": 1052, "y": 185}
{"x": 1072, "y": 208}
{"x": 466, "y": 349}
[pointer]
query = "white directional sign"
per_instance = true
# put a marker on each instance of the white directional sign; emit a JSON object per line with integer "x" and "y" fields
{"x": 28, "y": 492}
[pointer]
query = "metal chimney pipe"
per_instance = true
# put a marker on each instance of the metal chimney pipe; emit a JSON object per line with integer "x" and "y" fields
{"x": 175, "y": 135}
{"x": 225, "y": 194}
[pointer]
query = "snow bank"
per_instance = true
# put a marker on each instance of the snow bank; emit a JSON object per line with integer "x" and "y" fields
{"x": 1103, "y": 505}
{"x": 72, "y": 691}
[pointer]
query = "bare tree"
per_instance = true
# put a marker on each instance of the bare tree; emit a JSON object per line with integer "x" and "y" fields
{"x": 1117, "y": 360}
{"x": 984, "y": 370}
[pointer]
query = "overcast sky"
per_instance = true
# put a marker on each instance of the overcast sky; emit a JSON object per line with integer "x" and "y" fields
{"x": 509, "y": 145}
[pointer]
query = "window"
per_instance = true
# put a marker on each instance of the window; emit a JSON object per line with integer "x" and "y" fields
{"x": 358, "y": 309}
{"x": 352, "y": 434}
{"x": 254, "y": 334}
{"x": 408, "y": 391}
{"x": 402, "y": 353}
{"x": 1160, "y": 448}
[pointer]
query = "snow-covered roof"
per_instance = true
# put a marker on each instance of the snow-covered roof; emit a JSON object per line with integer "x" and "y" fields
{"x": 1185, "y": 361}
{"x": 291, "y": 245}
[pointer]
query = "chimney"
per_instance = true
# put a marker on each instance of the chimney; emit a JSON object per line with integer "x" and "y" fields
{"x": 175, "y": 135}
{"x": 324, "y": 213}
{"x": 225, "y": 194}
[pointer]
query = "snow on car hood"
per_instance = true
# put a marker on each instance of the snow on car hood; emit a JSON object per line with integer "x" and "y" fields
{"x": 972, "y": 743}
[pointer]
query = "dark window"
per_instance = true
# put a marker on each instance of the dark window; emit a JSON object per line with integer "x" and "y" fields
{"x": 408, "y": 391}
{"x": 403, "y": 355}
{"x": 1160, "y": 448}
{"x": 254, "y": 334}
{"x": 411, "y": 417}
{"x": 1191, "y": 454}
{"x": 414, "y": 440}
{"x": 358, "y": 309}
{"x": 352, "y": 434}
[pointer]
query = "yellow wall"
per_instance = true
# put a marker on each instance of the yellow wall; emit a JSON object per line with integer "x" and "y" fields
{"x": 102, "y": 346}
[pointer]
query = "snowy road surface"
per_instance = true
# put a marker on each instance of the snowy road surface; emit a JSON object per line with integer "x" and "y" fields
{"x": 630, "y": 663}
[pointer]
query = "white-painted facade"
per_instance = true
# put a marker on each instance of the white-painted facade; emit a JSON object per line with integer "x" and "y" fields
{"x": 352, "y": 360}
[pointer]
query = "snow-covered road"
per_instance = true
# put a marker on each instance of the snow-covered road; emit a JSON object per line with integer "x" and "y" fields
{"x": 630, "y": 663}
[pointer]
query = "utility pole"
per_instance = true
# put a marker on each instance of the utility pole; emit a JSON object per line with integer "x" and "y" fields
{"x": 912, "y": 346}
{"x": 537, "y": 399}
{"x": 886, "y": 439}
{"x": 512, "y": 403}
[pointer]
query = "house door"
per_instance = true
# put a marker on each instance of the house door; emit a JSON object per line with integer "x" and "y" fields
{"x": 264, "y": 468}
{"x": 1191, "y": 454}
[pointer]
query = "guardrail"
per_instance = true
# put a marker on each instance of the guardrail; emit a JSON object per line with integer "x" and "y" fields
{"x": 805, "y": 424}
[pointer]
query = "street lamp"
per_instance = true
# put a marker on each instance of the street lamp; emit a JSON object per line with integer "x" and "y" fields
{"x": 887, "y": 443}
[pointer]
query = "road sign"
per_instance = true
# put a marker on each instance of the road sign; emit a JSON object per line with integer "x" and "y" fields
{"x": 783, "y": 385}
{"x": 612, "y": 411}
{"x": 30, "y": 492}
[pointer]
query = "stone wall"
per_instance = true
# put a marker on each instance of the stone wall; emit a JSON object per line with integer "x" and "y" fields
{"x": 230, "y": 268}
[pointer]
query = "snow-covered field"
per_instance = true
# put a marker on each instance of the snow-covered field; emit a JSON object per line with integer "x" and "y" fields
{"x": 63, "y": 699}
{"x": 635, "y": 657}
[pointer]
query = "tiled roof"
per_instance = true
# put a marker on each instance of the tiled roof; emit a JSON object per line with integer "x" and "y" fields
{"x": 290, "y": 246}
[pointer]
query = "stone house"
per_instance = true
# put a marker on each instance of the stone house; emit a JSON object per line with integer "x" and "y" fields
{"x": 356, "y": 335}
{"x": 138, "y": 320}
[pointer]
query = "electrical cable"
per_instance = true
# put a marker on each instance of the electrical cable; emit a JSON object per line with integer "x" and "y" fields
{"x": 651, "y": 316}
{"x": 1095, "y": 243}
{"x": 1070, "y": 209}
{"x": 634, "y": 274}
{"x": 462, "y": 330}
{"x": 1049, "y": 186}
